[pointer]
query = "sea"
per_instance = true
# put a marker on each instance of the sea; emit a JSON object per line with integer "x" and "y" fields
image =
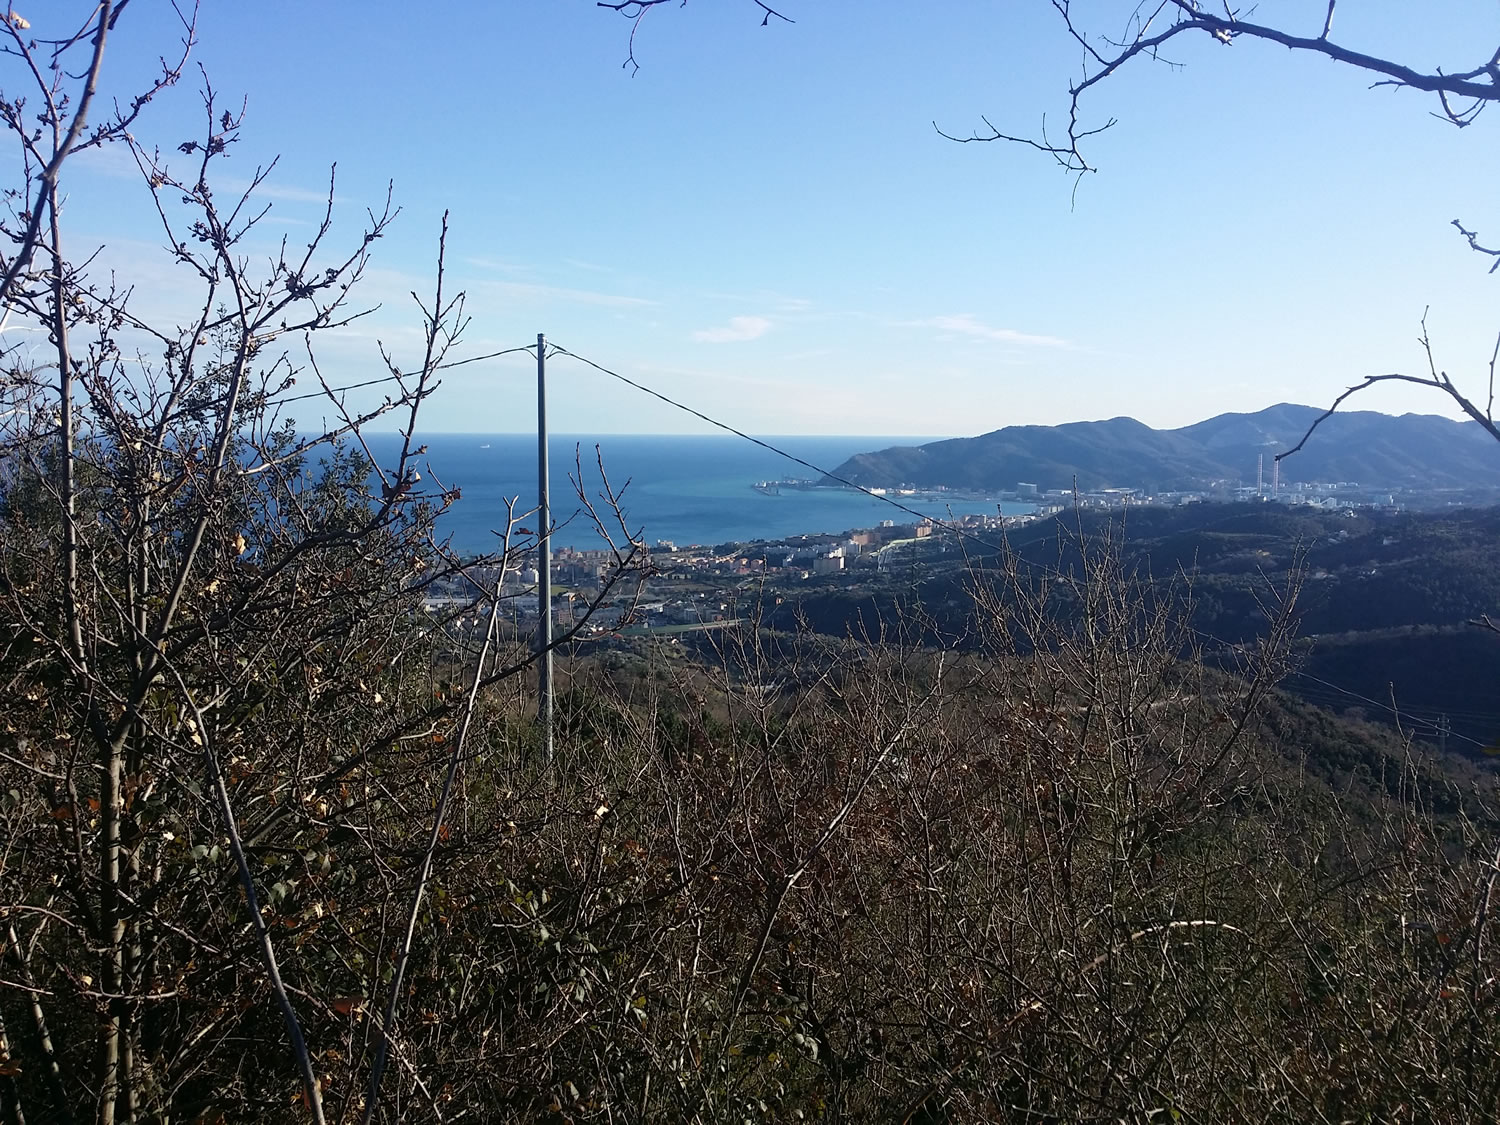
{"x": 686, "y": 489}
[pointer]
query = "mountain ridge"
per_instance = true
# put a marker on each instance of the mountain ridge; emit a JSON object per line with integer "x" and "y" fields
{"x": 1360, "y": 446}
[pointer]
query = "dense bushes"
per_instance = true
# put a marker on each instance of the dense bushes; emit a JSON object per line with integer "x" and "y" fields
{"x": 252, "y": 847}
{"x": 1075, "y": 878}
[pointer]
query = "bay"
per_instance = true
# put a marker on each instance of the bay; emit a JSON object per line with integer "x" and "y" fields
{"x": 683, "y": 488}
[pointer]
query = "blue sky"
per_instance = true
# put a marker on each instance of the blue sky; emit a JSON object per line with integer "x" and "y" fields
{"x": 763, "y": 222}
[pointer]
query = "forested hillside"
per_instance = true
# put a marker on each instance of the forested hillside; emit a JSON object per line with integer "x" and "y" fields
{"x": 1372, "y": 449}
{"x": 1390, "y": 607}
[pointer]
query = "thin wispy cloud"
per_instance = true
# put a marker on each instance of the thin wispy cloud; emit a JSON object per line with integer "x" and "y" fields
{"x": 527, "y": 291}
{"x": 700, "y": 376}
{"x": 765, "y": 298}
{"x": 116, "y": 162}
{"x": 272, "y": 190}
{"x": 497, "y": 265}
{"x": 784, "y": 404}
{"x": 738, "y": 329}
{"x": 807, "y": 354}
{"x": 964, "y": 324}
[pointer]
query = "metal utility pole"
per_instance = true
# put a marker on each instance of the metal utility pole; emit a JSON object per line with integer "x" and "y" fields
{"x": 544, "y": 560}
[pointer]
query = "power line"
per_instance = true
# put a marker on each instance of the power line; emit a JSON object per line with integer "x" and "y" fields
{"x": 958, "y": 531}
{"x": 1420, "y": 716}
{"x": 330, "y": 391}
{"x": 727, "y": 428}
{"x": 396, "y": 377}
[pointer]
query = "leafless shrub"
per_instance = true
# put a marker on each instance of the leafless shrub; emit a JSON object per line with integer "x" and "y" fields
{"x": 258, "y": 863}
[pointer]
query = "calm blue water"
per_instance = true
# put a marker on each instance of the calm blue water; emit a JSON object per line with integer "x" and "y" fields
{"x": 688, "y": 489}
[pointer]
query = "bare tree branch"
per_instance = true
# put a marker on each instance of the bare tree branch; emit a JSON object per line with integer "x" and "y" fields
{"x": 1435, "y": 379}
{"x": 635, "y": 11}
{"x": 1478, "y": 85}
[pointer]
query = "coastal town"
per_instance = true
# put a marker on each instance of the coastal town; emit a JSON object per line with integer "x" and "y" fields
{"x": 689, "y": 587}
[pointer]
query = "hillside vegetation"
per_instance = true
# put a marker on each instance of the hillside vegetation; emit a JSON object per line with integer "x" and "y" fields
{"x": 1375, "y": 450}
{"x": 1069, "y": 872}
{"x": 281, "y": 840}
{"x": 1390, "y": 608}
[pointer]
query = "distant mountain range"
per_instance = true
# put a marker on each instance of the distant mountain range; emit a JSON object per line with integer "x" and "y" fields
{"x": 1373, "y": 449}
